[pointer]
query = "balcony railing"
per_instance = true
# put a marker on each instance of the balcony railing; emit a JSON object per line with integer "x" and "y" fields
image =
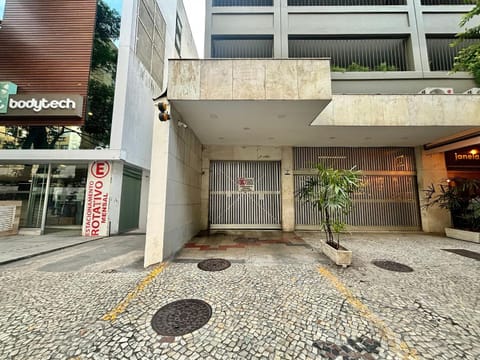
{"x": 354, "y": 54}
{"x": 441, "y": 55}
{"x": 448, "y": 2}
{"x": 242, "y": 3}
{"x": 242, "y": 47}
{"x": 345, "y": 2}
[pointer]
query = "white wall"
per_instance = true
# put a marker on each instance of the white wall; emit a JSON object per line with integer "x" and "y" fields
{"x": 175, "y": 188}
{"x": 182, "y": 218}
{"x": 134, "y": 110}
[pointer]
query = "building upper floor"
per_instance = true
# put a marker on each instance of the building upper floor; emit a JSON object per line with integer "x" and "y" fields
{"x": 398, "y": 38}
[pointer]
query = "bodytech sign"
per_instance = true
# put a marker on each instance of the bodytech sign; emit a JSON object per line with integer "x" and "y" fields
{"x": 37, "y": 105}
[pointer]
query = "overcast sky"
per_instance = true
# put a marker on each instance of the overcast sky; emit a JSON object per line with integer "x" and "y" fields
{"x": 196, "y": 16}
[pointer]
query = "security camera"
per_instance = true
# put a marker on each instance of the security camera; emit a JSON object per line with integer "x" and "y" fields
{"x": 182, "y": 124}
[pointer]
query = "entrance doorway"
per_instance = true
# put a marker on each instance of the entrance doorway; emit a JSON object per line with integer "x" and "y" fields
{"x": 245, "y": 195}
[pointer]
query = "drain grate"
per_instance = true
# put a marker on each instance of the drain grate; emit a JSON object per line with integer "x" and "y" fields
{"x": 214, "y": 265}
{"x": 466, "y": 253}
{"x": 246, "y": 240}
{"x": 356, "y": 348}
{"x": 392, "y": 266}
{"x": 181, "y": 317}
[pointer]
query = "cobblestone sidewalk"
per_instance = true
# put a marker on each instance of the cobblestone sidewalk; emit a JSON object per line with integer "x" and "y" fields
{"x": 260, "y": 311}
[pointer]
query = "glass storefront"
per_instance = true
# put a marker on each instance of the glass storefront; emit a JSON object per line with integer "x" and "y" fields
{"x": 64, "y": 190}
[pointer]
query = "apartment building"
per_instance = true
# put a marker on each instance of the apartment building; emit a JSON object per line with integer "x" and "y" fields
{"x": 290, "y": 83}
{"x": 53, "y": 172}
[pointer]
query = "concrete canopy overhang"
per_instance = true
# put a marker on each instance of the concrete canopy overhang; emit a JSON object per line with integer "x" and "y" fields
{"x": 237, "y": 99}
{"x": 289, "y": 103}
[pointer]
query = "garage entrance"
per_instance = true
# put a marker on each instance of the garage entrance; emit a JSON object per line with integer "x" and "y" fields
{"x": 245, "y": 195}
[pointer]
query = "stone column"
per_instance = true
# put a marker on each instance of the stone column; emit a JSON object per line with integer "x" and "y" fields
{"x": 431, "y": 169}
{"x": 288, "y": 200}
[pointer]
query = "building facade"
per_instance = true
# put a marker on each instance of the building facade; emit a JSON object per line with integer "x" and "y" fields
{"x": 65, "y": 163}
{"x": 287, "y": 84}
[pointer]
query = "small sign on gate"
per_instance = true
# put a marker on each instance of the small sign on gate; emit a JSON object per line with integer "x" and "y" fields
{"x": 246, "y": 185}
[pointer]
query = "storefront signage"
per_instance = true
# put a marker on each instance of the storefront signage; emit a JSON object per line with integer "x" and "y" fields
{"x": 246, "y": 185}
{"x": 95, "y": 216}
{"x": 36, "y": 105}
{"x": 13, "y": 105}
{"x": 466, "y": 158}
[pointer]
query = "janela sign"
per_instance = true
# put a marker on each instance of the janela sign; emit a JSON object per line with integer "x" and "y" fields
{"x": 37, "y": 105}
{"x": 466, "y": 158}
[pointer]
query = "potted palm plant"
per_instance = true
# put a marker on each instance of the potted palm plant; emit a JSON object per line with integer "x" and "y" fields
{"x": 330, "y": 192}
{"x": 462, "y": 198}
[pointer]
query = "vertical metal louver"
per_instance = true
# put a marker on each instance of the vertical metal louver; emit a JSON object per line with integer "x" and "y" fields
{"x": 256, "y": 205}
{"x": 242, "y": 47}
{"x": 353, "y": 54}
{"x": 441, "y": 55}
{"x": 388, "y": 199}
{"x": 242, "y": 2}
{"x": 448, "y": 2}
{"x": 345, "y": 2}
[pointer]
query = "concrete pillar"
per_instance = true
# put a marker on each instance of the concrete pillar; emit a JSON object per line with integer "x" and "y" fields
{"x": 115, "y": 196}
{"x": 157, "y": 200}
{"x": 431, "y": 169}
{"x": 288, "y": 196}
{"x": 204, "y": 195}
{"x": 142, "y": 221}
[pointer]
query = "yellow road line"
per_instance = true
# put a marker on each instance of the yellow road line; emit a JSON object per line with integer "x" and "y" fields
{"x": 400, "y": 348}
{"x": 120, "y": 308}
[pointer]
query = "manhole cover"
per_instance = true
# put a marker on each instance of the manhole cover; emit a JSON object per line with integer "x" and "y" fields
{"x": 246, "y": 240}
{"x": 465, "y": 253}
{"x": 392, "y": 266}
{"x": 214, "y": 264}
{"x": 181, "y": 317}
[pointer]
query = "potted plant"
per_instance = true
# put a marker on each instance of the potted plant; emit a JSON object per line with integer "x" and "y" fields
{"x": 330, "y": 192}
{"x": 462, "y": 198}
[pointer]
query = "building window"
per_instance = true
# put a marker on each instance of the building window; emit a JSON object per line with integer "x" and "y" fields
{"x": 178, "y": 36}
{"x": 345, "y": 2}
{"x": 448, "y": 2}
{"x": 242, "y": 46}
{"x": 242, "y": 2}
{"x": 353, "y": 54}
{"x": 150, "y": 45}
{"x": 441, "y": 55}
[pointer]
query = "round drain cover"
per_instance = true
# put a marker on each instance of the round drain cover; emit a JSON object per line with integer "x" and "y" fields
{"x": 181, "y": 317}
{"x": 392, "y": 266}
{"x": 243, "y": 239}
{"x": 214, "y": 265}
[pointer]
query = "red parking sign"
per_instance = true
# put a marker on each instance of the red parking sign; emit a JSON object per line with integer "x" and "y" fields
{"x": 100, "y": 169}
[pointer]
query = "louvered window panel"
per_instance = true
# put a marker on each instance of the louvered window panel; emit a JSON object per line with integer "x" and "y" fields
{"x": 353, "y": 54}
{"x": 345, "y": 2}
{"x": 441, "y": 54}
{"x": 242, "y": 47}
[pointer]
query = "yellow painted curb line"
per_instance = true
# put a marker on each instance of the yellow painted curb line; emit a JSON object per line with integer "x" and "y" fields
{"x": 120, "y": 308}
{"x": 401, "y": 348}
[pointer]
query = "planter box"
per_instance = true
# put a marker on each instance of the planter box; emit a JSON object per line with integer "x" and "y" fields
{"x": 463, "y": 235}
{"x": 341, "y": 257}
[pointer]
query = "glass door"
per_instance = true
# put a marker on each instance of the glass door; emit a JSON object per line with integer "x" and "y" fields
{"x": 66, "y": 197}
{"x": 36, "y": 198}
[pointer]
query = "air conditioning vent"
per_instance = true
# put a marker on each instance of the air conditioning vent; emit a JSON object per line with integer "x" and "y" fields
{"x": 473, "y": 91}
{"x": 436, "y": 91}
